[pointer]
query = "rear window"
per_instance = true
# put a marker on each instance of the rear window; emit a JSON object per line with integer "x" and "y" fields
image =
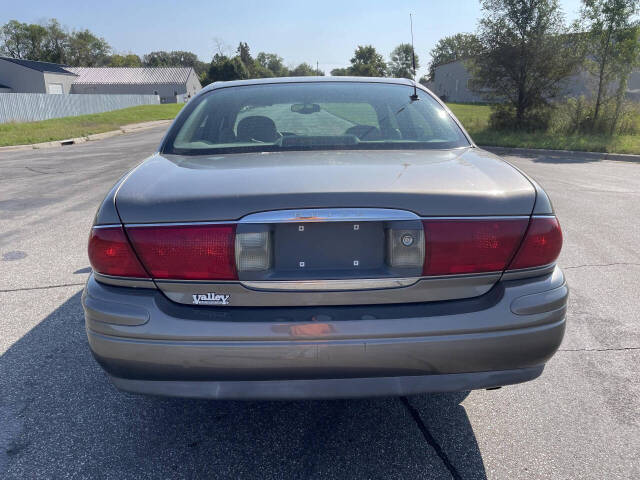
{"x": 312, "y": 116}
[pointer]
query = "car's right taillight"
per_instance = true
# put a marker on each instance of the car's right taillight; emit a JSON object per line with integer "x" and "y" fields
{"x": 469, "y": 246}
{"x": 474, "y": 246}
{"x": 541, "y": 245}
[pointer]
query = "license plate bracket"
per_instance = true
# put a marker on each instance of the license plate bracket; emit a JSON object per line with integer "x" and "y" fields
{"x": 343, "y": 248}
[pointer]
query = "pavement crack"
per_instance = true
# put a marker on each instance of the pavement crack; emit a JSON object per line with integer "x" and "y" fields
{"x": 430, "y": 439}
{"x": 629, "y": 264}
{"x": 620, "y": 349}
{"x": 31, "y": 169}
{"x": 41, "y": 288}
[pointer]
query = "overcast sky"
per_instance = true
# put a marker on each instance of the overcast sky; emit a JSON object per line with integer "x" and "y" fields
{"x": 326, "y": 31}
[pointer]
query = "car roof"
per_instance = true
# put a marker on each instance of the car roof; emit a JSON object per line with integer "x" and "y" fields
{"x": 263, "y": 81}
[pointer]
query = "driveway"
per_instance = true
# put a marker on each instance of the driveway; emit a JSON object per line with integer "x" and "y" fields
{"x": 61, "y": 418}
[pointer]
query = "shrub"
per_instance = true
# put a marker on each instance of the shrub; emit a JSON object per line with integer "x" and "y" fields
{"x": 575, "y": 115}
{"x": 503, "y": 117}
{"x": 572, "y": 116}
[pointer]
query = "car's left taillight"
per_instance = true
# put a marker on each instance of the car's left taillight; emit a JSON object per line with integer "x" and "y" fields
{"x": 111, "y": 254}
{"x": 185, "y": 252}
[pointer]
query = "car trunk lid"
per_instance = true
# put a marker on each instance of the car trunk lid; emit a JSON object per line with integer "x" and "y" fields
{"x": 461, "y": 182}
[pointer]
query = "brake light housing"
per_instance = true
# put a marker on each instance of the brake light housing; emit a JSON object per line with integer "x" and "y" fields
{"x": 186, "y": 252}
{"x": 111, "y": 254}
{"x": 541, "y": 245}
{"x": 465, "y": 246}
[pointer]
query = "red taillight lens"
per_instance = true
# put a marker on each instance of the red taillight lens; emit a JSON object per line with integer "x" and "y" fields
{"x": 541, "y": 245}
{"x": 470, "y": 246}
{"x": 190, "y": 252}
{"x": 111, "y": 254}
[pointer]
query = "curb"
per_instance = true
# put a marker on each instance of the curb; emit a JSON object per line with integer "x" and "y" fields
{"x": 131, "y": 128}
{"x": 536, "y": 152}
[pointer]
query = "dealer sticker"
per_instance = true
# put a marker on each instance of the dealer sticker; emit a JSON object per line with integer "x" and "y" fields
{"x": 210, "y": 298}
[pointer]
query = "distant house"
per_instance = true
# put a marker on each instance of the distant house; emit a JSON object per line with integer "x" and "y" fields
{"x": 452, "y": 83}
{"x": 28, "y": 76}
{"x": 171, "y": 84}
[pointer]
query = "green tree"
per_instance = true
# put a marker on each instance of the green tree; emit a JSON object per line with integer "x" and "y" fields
{"x": 525, "y": 59}
{"x": 176, "y": 58}
{"x": 156, "y": 59}
{"x": 367, "y": 62}
{"x": 50, "y": 42}
{"x": 455, "y": 47}
{"x": 56, "y": 42}
{"x": 613, "y": 49}
{"x": 273, "y": 63}
{"x": 87, "y": 50}
{"x": 244, "y": 53}
{"x": 257, "y": 70}
{"x": 340, "y": 72}
{"x": 305, "y": 70}
{"x": 401, "y": 64}
{"x": 128, "y": 60}
{"x": 13, "y": 39}
{"x": 23, "y": 40}
{"x": 224, "y": 68}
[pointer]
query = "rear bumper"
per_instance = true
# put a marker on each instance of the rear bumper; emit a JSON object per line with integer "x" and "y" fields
{"x": 151, "y": 345}
{"x": 328, "y": 388}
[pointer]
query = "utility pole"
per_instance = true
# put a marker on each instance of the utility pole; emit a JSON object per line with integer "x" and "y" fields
{"x": 317, "y": 69}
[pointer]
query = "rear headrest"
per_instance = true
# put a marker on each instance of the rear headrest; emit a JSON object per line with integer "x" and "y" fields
{"x": 364, "y": 132}
{"x": 257, "y": 128}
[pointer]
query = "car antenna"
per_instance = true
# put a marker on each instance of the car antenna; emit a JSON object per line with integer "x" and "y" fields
{"x": 413, "y": 97}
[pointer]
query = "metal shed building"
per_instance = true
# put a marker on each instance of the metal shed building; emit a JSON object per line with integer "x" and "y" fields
{"x": 452, "y": 83}
{"x": 29, "y": 76}
{"x": 171, "y": 84}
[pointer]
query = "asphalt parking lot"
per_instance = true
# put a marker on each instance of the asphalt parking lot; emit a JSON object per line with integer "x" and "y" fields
{"x": 61, "y": 418}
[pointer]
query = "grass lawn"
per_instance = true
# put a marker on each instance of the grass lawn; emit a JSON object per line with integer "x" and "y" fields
{"x": 475, "y": 119}
{"x": 80, "y": 126}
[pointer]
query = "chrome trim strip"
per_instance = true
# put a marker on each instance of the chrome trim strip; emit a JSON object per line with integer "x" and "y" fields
{"x": 488, "y": 217}
{"x": 424, "y": 290}
{"x": 109, "y": 225}
{"x": 176, "y": 281}
{"x": 125, "y": 281}
{"x": 180, "y": 224}
{"x": 329, "y": 215}
{"x": 266, "y": 219}
{"x": 330, "y": 285}
{"x": 528, "y": 272}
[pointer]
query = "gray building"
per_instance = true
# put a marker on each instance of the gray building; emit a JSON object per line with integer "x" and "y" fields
{"x": 452, "y": 84}
{"x": 171, "y": 84}
{"x": 28, "y": 76}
